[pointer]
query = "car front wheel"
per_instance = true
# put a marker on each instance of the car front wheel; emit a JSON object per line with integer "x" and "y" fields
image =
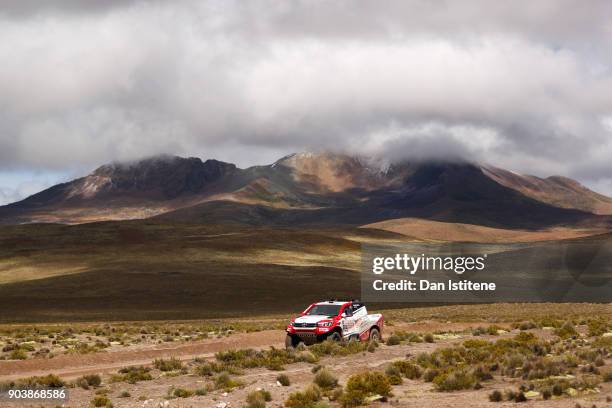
{"x": 374, "y": 335}
{"x": 291, "y": 341}
{"x": 335, "y": 336}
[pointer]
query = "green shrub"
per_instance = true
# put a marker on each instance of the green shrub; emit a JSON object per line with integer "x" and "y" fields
{"x": 18, "y": 354}
{"x": 171, "y": 364}
{"x": 607, "y": 376}
{"x": 307, "y": 357}
{"x": 332, "y": 348}
{"x": 93, "y": 380}
{"x": 225, "y": 382}
{"x": 325, "y": 379}
{"x": 258, "y": 399}
{"x": 284, "y": 380}
{"x": 408, "y": 369}
{"x": 428, "y": 337}
{"x": 182, "y": 393}
{"x": 49, "y": 381}
{"x": 201, "y": 391}
{"x": 566, "y": 331}
{"x": 429, "y": 374}
{"x": 495, "y": 396}
{"x": 304, "y": 399}
{"x": 453, "y": 380}
{"x": 597, "y": 327}
{"x": 527, "y": 325}
{"x": 205, "y": 370}
{"x": 125, "y": 394}
{"x": 362, "y": 385}
{"x": 101, "y": 401}
{"x": 480, "y": 373}
{"x": 393, "y": 374}
{"x": 393, "y": 340}
{"x": 133, "y": 374}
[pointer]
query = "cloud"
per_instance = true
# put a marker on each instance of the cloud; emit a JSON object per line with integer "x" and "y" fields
{"x": 522, "y": 85}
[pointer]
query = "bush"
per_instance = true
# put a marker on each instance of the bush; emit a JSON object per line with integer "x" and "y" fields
{"x": 307, "y": 357}
{"x": 566, "y": 331}
{"x": 325, "y": 379}
{"x": 182, "y": 393}
{"x": 168, "y": 365}
{"x": 360, "y": 386}
{"x": 258, "y": 399}
{"x": 454, "y": 380}
{"x": 93, "y": 380}
{"x": 101, "y": 401}
{"x": 133, "y": 374}
{"x": 597, "y": 327}
{"x": 495, "y": 396}
{"x": 18, "y": 354}
{"x": 224, "y": 381}
{"x": 50, "y": 381}
{"x": 408, "y": 369}
{"x": 481, "y": 374}
{"x": 393, "y": 340}
{"x": 430, "y": 374}
{"x": 205, "y": 370}
{"x": 607, "y": 376}
{"x": 332, "y": 348}
{"x": 304, "y": 399}
{"x": 125, "y": 394}
{"x": 429, "y": 338}
{"x": 520, "y": 397}
{"x": 527, "y": 325}
{"x": 393, "y": 374}
{"x": 283, "y": 379}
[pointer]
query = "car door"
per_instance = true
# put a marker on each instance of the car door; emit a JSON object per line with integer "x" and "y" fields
{"x": 349, "y": 323}
{"x": 359, "y": 314}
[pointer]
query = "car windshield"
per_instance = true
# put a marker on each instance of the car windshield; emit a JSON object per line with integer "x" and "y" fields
{"x": 324, "y": 310}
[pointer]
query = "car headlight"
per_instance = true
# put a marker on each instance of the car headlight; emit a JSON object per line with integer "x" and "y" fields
{"x": 325, "y": 324}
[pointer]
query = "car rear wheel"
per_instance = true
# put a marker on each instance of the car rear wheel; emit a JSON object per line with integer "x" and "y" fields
{"x": 374, "y": 335}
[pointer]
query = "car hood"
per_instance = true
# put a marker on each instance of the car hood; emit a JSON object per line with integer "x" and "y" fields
{"x": 311, "y": 319}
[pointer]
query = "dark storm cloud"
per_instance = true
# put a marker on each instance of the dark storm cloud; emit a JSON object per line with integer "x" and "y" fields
{"x": 522, "y": 85}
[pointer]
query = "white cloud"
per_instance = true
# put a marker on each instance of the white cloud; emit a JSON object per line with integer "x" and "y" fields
{"x": 521, "y": 85}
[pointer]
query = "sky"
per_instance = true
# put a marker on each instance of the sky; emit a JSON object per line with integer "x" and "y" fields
{"x": 521, "y": 85}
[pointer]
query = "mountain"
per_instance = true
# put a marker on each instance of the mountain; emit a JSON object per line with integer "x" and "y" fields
{"x": 313, "y": 189}
{"x": 556, "y": 190}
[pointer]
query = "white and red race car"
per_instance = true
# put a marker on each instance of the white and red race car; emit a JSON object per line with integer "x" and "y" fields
{"x": 334, "y": 320}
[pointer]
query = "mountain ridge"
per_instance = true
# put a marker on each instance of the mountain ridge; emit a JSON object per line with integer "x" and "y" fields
{"x": 311, "y": 188}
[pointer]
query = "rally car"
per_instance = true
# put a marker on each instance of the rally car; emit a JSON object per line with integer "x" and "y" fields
{"x": 334, "y": 320}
